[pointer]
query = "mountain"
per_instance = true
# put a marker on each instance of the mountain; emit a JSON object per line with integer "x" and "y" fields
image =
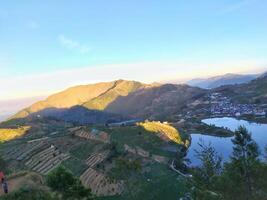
{"x": 113, "y": 101}
{"x": 3, "y": 117}
{"x": 92, "y": 96}
{"x": 156, "y": 102}
{"x": 252, "y": 92}
{"x": 217, "y": 81}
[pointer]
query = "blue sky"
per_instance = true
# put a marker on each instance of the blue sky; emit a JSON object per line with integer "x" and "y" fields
{"x": 43, "y": 42}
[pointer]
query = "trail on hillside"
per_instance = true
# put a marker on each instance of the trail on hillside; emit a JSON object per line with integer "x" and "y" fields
{"x": 13, "y": 184}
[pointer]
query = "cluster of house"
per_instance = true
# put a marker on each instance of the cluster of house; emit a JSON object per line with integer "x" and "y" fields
{"x": 221, "y": 105}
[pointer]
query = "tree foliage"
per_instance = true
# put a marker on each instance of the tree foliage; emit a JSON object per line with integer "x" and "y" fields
{"x": 211, "y": 164}
{"x": 63, "y": 181}
{"x": 243, "y": 177}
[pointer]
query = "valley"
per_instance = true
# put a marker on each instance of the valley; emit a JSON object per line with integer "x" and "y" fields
{"x": 124, "y": 138}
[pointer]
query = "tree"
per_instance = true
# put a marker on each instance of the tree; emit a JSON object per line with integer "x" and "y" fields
{"x": 63, "y": 181}
{"x": 211, "y": 164}
{"x": 245, "y": 157}
{"x": 205, "y": 175}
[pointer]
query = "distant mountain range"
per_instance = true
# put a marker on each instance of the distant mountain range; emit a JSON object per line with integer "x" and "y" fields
{"x": 227, "y": 79}
{"x": 253, "y": 92}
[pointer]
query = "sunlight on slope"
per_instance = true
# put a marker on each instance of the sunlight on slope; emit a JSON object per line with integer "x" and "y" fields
{"x": 9, "y": 134}
{"x": 165, "y": 131}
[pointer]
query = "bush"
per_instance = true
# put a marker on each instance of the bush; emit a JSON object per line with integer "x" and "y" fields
{"x": 63, "y": 181}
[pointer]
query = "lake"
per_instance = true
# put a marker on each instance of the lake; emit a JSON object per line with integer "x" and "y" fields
{"x": 224, "y": 145}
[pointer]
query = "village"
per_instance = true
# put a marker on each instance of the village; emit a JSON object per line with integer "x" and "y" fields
{"x": 222, "y": 105}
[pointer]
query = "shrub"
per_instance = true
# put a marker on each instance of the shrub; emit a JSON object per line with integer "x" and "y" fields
{"x": 63, "y": 181}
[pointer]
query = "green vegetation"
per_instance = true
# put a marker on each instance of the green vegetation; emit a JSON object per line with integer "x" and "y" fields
{"x": 75, "y": 165}
{"x": 62, "y": 181}
{"x": 137, "y": 136}
{"x": 83, "y": 150}
{"x": 3, "y": 164}
{"x": 30, "y": 193}
{"x": 159, "y": 182}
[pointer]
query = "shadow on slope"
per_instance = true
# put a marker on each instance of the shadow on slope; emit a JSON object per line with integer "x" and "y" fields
{"x": 160, "y": 102}
{"x": 157, "y": 102}
{"x": 79, "y": 115}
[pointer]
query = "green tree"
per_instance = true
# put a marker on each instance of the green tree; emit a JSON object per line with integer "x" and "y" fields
{"x": 245, "y": 156}
{"x": 211, "y": 164}
{"x": 206, "y": 174}
{"x": 63, "y": 181}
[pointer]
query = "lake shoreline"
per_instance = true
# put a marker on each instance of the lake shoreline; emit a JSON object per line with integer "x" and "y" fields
{"x": 223, "y": 145}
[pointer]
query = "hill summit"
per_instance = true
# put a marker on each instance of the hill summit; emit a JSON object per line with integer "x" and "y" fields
{"x": 114, "y": 101}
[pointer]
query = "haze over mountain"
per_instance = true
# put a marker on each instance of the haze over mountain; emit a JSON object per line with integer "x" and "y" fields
{"x": 217, "y": 81}
{"x": 10, "y": 107}
{"x": 252, "y": 92}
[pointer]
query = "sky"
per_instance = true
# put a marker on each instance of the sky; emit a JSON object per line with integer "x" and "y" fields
{"x": 47, "y": 46}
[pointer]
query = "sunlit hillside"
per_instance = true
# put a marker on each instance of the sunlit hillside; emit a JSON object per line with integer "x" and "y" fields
{"x": 165, "y": 131}
{"x": 9, "y": 134}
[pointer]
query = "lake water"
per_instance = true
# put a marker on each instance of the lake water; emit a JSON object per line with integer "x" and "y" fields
{"x": 224, "y": 145}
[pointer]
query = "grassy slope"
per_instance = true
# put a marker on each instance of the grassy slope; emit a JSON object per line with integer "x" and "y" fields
{"x": 159, "y": 183}
{"x": 169, "y": 131}
{"x": 73, "y": 96}
{"x": 120, "y": 88}
{"x": 7, "y": 134}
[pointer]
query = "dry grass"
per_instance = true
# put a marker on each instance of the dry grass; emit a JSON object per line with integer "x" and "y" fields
{"x": 165, "y": 131}
{"x": 9, "y": 134}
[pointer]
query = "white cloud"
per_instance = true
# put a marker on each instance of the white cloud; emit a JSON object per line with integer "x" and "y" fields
{"x": 73, "y": 45}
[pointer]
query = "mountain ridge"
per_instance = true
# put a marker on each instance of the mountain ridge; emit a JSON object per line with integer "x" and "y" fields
{"x": 221, "y": 80}
{"x": 129, "y": 99}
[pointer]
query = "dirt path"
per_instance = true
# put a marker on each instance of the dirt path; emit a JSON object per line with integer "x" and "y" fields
{"x": 13, "y": 184}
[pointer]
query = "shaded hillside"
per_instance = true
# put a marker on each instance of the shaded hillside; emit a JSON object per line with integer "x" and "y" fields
{"x": 253, "y": 92}
{"x": 217, "y": 81}
{"x": 79, "y": 115}
{"x": 157, "y": 102}
{"x": 94, "y": 96}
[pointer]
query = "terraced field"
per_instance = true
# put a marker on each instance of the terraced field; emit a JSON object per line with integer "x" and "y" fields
{"x": 46, "y": 160}
{"x": 100, "y": 184}
{"x": 96, "y": 158}
{"x": 93, "y": 135}
{"x": 24, "y": 151}
{"x": 145, "y": 154}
